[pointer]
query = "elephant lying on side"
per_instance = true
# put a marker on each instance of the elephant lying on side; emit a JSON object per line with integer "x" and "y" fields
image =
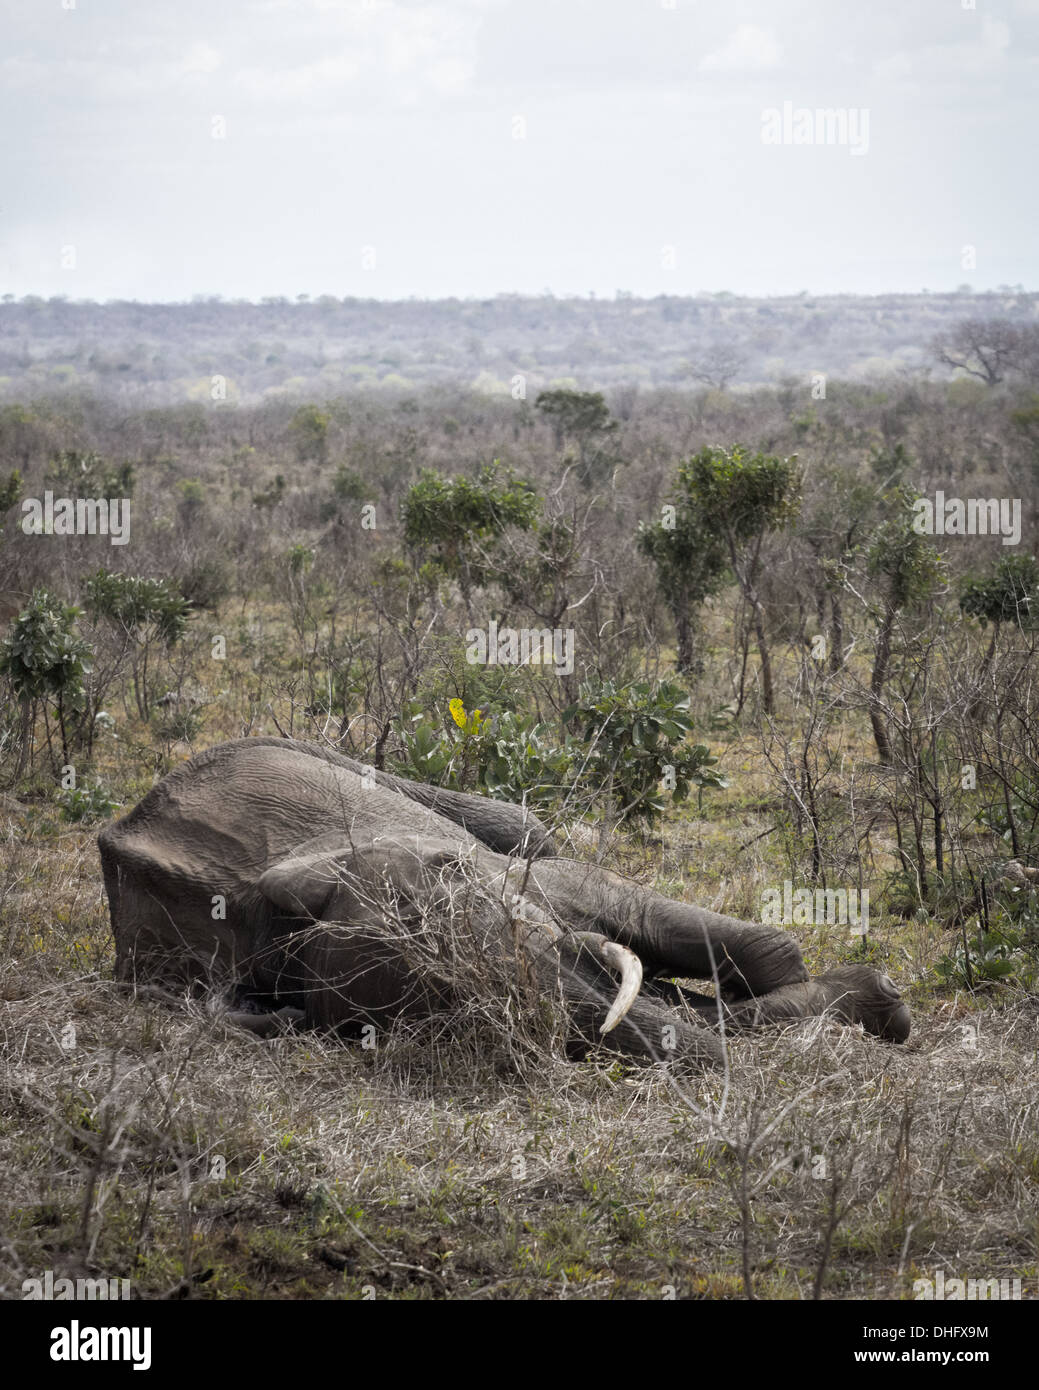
{"x": 299, "y": 879}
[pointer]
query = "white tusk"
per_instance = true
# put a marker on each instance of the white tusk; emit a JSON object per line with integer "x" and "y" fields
{"x": 629, "y": 966}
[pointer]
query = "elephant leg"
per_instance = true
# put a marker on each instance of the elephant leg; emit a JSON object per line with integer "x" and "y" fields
{"x": 850, "y": 993}
{"x": 671, "y": 938}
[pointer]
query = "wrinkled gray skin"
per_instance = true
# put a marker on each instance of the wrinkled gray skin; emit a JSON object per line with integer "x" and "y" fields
{"x": 328, "y": 874}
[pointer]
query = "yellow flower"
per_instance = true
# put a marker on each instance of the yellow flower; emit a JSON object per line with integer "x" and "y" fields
{"x": 458, "y": 713}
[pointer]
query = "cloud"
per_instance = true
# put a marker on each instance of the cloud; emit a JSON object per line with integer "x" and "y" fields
{"x": 201, "y": 58}
{"x": 747, "y": 49}
{"x": 310, "y": 55}
{"x": 982, "y": 54}
{"x": 384, "y": 55}
{"x": 116, "y": 73}
{"x": 299, "y": 83}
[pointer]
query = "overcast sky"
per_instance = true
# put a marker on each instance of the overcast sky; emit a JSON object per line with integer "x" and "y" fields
{"x": 471, "y": 147}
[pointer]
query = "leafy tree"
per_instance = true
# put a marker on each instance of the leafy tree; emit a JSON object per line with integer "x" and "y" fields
{"x": 300, "y": 558}
{"x": 192, "y": 501}
{"x": 576, "y": 412}
{"x": 349, "y": 486}
{"x": 46, "y": 663}
{"x": 582, "y": 417}
{"x": 908, "y": 569}
{"x": 690, "y": 565}
{"x": 271, "y": 495}
{"x": 309, "y": 430}
{"x": 889, "y": 466}
{"x": 205, "y": 581}
{"x": 83, "y": 473}
{"x": 737, "y": 498}
{"x": 456, "y": 522}
{"x": 1026, "y": 420}
{"x": 144, "y": 614}
{"x": 1009, "y": 593}
{"x": 841, "y": 510}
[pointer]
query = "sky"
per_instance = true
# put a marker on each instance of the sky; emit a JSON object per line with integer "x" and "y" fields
{"x": 396, "y": 148}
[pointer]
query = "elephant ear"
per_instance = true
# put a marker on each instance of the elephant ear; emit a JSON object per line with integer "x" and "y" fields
{"x": 304, "y": 881}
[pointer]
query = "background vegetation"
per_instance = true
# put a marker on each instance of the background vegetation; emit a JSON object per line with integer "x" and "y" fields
{"x": 160, "y": 353}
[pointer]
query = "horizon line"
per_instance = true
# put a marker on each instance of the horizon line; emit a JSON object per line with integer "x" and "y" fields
{"x": 305, "y": 300}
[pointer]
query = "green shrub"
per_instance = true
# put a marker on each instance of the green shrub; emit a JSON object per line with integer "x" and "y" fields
{"x": 505, "y": 755}
{"x": 206, "y": 583}
{"x": 637, "y": 754}
{"x": 1007, "y": 948}
{"x": 46, "y": 662}
{"x": 87, "y": 803}
{"x": 629, "y": 748}
{"x": 985, "y": 958}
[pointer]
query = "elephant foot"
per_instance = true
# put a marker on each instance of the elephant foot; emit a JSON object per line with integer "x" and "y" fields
{"x": 850, "y": 993}
{"x": 859, "y": 994}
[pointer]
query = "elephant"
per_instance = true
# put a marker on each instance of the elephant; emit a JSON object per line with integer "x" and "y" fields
{"x": 309, "y": 887}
